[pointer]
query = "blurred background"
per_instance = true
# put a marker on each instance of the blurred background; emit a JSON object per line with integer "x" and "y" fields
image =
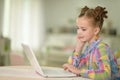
{"x": 48, "y": 27}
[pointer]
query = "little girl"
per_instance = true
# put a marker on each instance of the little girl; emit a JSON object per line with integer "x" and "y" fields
{"x": 97, "y": 61}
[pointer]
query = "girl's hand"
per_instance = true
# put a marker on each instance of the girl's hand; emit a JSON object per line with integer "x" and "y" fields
{"x": 71, "y": 68}
{"x": 65, "y": 66}
{"x": 79, "y": 45}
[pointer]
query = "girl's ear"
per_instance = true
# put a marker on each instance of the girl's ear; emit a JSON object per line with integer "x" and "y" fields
{"x": 97, "y": 30}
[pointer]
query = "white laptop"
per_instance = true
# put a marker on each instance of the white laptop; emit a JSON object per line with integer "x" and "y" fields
{"x": 45, "y": 72}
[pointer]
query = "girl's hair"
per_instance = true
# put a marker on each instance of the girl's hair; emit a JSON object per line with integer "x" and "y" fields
{"x": 98, "y": 14}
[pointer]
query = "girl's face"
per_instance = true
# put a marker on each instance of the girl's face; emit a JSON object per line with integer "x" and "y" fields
{"x": 86, "y": 31}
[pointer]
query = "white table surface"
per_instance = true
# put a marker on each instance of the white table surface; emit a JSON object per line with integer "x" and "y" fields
{"x": 8, "y": 73}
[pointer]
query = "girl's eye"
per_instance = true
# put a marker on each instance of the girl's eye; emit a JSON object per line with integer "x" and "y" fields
{"x": 83, "y": 29}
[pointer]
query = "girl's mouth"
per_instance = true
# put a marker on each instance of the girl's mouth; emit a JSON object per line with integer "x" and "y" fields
{"x": 79, "y": 37}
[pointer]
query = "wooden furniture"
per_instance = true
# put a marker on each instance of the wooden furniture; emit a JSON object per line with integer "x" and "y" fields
{"x": 4, "y": 51}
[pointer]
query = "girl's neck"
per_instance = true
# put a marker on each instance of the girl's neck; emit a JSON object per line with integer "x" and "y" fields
{"x": 92, "y": 40}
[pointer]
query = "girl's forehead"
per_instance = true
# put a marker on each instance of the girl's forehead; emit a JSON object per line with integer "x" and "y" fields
{"x": 85, "y": 21}
{"x": 83, "y": 18}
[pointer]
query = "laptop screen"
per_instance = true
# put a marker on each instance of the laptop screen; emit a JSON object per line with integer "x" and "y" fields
{"x": 32, "y": 58}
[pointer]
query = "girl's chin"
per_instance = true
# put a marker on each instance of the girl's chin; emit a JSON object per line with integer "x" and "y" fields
{"x": 83, "y": 40}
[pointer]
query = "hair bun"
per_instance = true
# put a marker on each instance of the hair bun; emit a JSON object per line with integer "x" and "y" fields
{"x": 84, "y": 9}
{"x": 100, "y": 12}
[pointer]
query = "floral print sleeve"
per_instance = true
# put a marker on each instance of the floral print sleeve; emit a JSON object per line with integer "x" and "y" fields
{"x": 74, "y": 59}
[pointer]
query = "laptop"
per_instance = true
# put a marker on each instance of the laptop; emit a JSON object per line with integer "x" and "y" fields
{"x": 42, "y": 71}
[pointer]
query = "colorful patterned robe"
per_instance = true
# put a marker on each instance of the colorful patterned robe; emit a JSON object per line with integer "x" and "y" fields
{"x": 96, "y": 62}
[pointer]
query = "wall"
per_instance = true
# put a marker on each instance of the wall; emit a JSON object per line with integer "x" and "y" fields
{"x": 59, "y": 12}
{"x": 23, "y": 23}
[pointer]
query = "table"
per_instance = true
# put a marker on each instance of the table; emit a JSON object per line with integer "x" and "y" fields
{"x": 13, "y": 75}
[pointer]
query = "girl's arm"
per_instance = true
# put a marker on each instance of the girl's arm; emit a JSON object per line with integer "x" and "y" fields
{"x": 79, "y": 45}
{"x": 103, "y": 70}
{"x": 75, "y": 57}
